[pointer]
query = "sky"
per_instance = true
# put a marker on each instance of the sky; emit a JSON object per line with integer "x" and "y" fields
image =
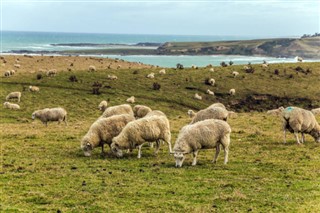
{"x": 217, "y": 17}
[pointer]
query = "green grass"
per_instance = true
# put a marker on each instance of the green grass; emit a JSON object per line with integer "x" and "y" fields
{"x": 43, "y": 169}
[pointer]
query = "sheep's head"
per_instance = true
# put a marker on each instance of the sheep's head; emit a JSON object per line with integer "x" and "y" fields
{"x": 86, "y": 146}
{"x": 179, "y": 158}
{"x": 316, "y": 135}
{"x": 191, "y": 113}
{"x": 115, "y": 148}
{"x": 33, "y": 116}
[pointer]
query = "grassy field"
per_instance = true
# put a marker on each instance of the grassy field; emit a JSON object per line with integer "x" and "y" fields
{"x": 43, "y": 169}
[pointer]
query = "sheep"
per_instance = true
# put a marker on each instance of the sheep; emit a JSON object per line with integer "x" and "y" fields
{"x": 217, "y": 105}
{"x": 117, "y": 110}
{"x": 194, "y": 66}
{"x": 11, "y": 106}
{"x": 191, "y": 113}
{"x": 276, "y": 112}
{"x": 197, "y": 96}
{"x": 211, "y": 69}
{"x": 50, "y": 114}
{"x": 34, "y": 89}
{"x": 235, "y": 74}
{"x": 205, "y": 134}
{"x": 264, "y": 66}
{"x": 298, "y": 59}
{"x": 17, "y": 65}
{"x": 162, "y": 72}
{"x": 151, "y": 75}
{"x": 92, "y": 68}
{"x": 7, "y": 73}
{"x": 51, "y": 72}
{"x": 140, "y": 111}
{"x": 210, "y": 92}
{"x": 119, "y": 66}
{"x": 155, "y": 112}
{"x": 138, "y": 132}
{"x": 103, "y": 105}
{"x": 112, "y": 77}
{"x": 14, "y": 95}
{"x": 232, "y": 92}
{"x": 298, "y": 120}
{"x": 102, "y": 131}
{"x": 131, "y": 99}
{"x": 12, "y": 72}
{"x": 211, "y": 113}
{"x": 211, "y": 81}
{"x": 316, "y": 111}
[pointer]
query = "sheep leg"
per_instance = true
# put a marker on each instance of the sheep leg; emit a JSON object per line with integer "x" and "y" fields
{"x": 297, "y": 137}
{"x": 151, "y": 145}
{"x": 65, "y": 120}
{"x": 102, "y": 151}
{"x": 217, "y": 153}
{"x": 139, "y": 151}
{"x": 226, "y": 154}
{"x": 284, "y": 135}
{"x": 157, "y": 147}
{"x": 195, "y": 154}
{"x": 302, "y": 138}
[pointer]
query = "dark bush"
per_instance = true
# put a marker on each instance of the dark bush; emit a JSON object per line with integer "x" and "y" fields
{"x": 156, "y": 86}
{"x": 73, "y": 78}
{"x": 96, "y": 88}
{"x": 230, "y": 63}
{"x": 276, "y": 72}
{"x": 223, "y": 64}
{"x": 180, "y": 66}
{"x": 250, "y": 69}
{"x": 135, "y": 72}
{"x": 39, "y": 76}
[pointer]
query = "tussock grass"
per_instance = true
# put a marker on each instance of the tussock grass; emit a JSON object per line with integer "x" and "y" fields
{"x": 43, "y": 169}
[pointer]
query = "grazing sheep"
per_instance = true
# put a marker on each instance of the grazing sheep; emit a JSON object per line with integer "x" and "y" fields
{"x": 117, "y": 110}
{"x": 264, "y": 66}
{"x": 211, "y": 113}
{"x": 14, "y": 95}
{"x": 298, "y": 120}
{"x": 206, "y": 134}
{"x": 194, "y": 66}
{"x": 197, "y": 96}
{"x": 34, "y": 89}
{"x": 103, "y": 106}
{"x": 119, "y": 66}
{"x": 211, "y": 81}
{"x": 276, "y": 112}
{"x": 52, "y": 72}
{"x": 210, "y": 92}
{"x": 131, "y": 99}
{"x": 217, "y": 105}
{"x": 151, "y": 75}
{"x": 162, "y": 72}
{"x": 102, "y": 131}
{"x": 140, "y": 111}
{"x": 232, "y": 92}
{"x": 112, "y": 77}
{"x": 136, "y": 133}
{"x": 298, "y": 59}
{"x": 50, "y": 114}
{"x": 7, "y": 73}
{"x": 11, "y": 106}
{"x": 235, "y": 74}
{"x": 211, "y": 69}
{"x": 155, "y": 112}
{"x": 191, "y": 113}
{"x": 316, "y": 111}
{"x": 92, "y": 68}
{"x": 17, "y": 65}
{"x": 12, "y": 72}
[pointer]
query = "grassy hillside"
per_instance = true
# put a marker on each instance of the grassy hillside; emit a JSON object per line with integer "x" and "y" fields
{"x": 43, "y": 169}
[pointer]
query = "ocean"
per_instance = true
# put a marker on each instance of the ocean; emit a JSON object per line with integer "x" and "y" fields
{"x": 44, "y": 41}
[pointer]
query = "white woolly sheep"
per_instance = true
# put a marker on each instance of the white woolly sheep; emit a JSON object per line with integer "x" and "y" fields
{"x": 118, "y": 110}
{"x": 151, "y": 75}
{"x": 7, "y": 73}
{"x": 276, "y": 112}
{"x": 232, "y": 92}
{"x": 217, "y": 105}
{"x": 211, "y": 113}
{"x": 264, "y": 66}
{"x": 205, "y": 134}
{"x": 11, "y": 106}
{"x": 51, "y": 72}
{"x": 211, "y": 81}
{"x": 112, "y": 77}
{"x": 138, "y": 132}
{"x": 298, "y": 59}
{"x": 162, "y": 72}
{"x": 197, "y": 96}
{"x": 14, "y": 95}
{"x": 34, "y": 89}
{"x": 210, "y": 92}
{"x": 194, "y": 66}
{"x": 140, "y": 111}
{"x": 131, "y": 99}
{"x": 12, "y": 72}
{"x": 235, "y": 74}
{"x": 17, "y": 65}
{"x": 103, "y": 106}
{"x": 211, "y": 69}
{"x": 155, "y": 113}
{"x": 50, "y": 114}
{"x": 102, "y": 131}
{"x": 316, "y": 111}
{"x": 298, "y": 120}
{"x": 92, "y": 68}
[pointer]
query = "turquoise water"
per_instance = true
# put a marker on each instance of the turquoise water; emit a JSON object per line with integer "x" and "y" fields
{"x": 41, "y": 41}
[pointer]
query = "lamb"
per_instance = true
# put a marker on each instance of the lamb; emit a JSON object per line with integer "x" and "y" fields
{"x": 298, "y": 120}
{"x": 211, "y": 81}
{"x": 197, "y": 96}
{"x": 112, "y": 77}
{"x": 131, "y": 99}
{"x": 316, "y": 111}
{"x": 103, "y": 106}
{"x": 235, "y": 74}
{"x": 34, "y": 89}
{"x": 276, "y": 112}
{"x": 140, "y": 111}
{"x": 191, "y": 113}
{"x": 210, "y": 92}
{"x": 232, "y": 92}
{"x": 162, "y": 72}
{"x": 51, "y": 72}
{"x": 9, "y": 105}
{"x": 7, "y": 73}
{"x": 205, "y": 134}
{"x": 92, "y": 68}
{"x": 151, "y": 75}
{"x": 102, "y": 131}
{"x": 138, "y": 132}
{"x": 50, "y": 114}
{"x": 14, "y": 95}
{"x": 211, "y": 113}
{"x": 117, "y": 110}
